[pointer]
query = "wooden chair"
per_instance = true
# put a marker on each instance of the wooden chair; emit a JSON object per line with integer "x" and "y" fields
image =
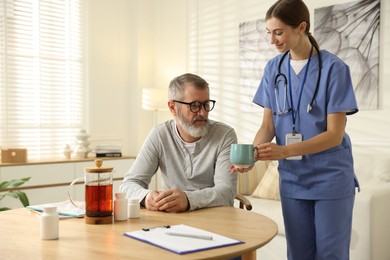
{"x": 247, "y": 183}
{"x": 244, "y": 202}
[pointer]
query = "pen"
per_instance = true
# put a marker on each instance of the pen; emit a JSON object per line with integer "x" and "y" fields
{"x": 189, "y": 235}
{"x": 149, "y": 228}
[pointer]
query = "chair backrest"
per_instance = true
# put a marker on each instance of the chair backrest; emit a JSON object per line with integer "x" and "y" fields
{"x": 247, "y": 182}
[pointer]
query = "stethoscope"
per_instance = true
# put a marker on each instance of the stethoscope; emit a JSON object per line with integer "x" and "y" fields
{"x": 279, "y": 75}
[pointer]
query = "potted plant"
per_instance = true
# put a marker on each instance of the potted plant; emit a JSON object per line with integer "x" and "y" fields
{"x": 7, "y": 189}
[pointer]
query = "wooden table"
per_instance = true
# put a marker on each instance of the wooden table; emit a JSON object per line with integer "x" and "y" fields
{"x": 20, "y": 238}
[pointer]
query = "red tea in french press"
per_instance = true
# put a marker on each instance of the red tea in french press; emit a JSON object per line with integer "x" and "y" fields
{"x": 98, "y": 194}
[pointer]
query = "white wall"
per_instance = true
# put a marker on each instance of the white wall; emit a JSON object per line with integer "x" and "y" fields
{"x": 112, "y": 39}
{"x": 143, "y": 43}
{"x": 132, "y": 44}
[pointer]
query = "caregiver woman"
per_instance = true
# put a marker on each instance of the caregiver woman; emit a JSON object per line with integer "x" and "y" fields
{"x": 317, "y": 179}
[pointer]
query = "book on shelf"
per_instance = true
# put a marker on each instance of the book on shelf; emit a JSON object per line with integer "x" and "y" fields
{"x": 108, "y": 147}
{"x": 109, "y": 154}
{"x": 108, "y": 150}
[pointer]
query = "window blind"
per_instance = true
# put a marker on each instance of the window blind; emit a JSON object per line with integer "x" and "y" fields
{"x": 214, "y": 54}
{"x": 42, "y": 86}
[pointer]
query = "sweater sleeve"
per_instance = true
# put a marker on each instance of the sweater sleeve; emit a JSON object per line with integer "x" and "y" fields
{"x": 138, "y": 177}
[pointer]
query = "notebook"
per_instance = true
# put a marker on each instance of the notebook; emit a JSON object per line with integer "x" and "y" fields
{"x": 65, "y": 208}
{"x": 182, "y": 239}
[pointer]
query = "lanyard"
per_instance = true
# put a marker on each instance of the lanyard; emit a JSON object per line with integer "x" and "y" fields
{"x": 294, "y": 112}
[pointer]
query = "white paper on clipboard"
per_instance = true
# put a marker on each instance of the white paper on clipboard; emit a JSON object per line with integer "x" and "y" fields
{"x": 182, "y": 245}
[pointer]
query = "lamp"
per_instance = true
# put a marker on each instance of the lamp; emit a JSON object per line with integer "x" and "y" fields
{"x": 154, "y": 99}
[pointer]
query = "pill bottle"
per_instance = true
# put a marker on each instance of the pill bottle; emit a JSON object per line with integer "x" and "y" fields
{"x": 120, "y": 206}
{"x": 49, "y": 223}
{"x": 134, "y": 208}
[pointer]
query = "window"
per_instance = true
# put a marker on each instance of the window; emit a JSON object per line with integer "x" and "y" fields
{"x": 42, "y": 82}
{"x": 214, "y": 55}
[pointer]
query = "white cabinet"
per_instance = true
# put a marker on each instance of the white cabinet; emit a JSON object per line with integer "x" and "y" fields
{"x": 50, "y": 181}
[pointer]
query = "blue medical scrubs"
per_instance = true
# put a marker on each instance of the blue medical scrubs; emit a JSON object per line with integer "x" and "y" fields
{"x": 321, "y": 184}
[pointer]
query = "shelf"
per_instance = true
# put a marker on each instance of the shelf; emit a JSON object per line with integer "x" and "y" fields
{"x": 63, "y": 160}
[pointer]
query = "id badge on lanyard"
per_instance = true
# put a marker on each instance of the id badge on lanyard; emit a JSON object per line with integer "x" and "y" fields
{"x": 295, "y": 137}
{"x": 292, "y": 139}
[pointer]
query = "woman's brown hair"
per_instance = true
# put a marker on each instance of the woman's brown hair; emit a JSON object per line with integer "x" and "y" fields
{"x": 292, "y": 13}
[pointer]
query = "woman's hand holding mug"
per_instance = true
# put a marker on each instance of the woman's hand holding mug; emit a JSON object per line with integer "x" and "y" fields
{"x": 242, "y": 157}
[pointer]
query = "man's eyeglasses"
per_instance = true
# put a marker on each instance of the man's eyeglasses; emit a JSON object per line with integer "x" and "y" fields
{"x": 196, "y": 106}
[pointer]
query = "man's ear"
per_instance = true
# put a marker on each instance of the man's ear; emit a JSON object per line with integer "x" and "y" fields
{"x": 171, "y": 106}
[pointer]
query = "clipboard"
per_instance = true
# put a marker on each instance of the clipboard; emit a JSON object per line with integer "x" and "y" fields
{"x": 165, "y": 238}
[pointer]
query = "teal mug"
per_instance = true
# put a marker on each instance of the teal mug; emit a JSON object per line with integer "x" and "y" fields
{"x": 242, "y": 155}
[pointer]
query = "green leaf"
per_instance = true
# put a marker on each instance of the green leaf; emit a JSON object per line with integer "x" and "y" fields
{"x": 24, "y": 199}
{"x": 3, "y": 185}
{"x": 2, "y": 195}
{"x": 13, "y": 183}
{"x": 17, "y": 194}
{"x": 21, "y": 196}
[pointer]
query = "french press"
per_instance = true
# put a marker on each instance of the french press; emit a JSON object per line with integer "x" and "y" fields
{"x": 98, "y": 193}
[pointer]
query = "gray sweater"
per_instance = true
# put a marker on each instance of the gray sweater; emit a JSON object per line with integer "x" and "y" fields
{"x": 204, "y": 176}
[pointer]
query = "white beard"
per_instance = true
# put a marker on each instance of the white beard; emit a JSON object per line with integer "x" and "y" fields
{"x": 190, "y": 128}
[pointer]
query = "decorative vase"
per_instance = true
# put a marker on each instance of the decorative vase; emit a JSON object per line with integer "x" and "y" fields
{"x": 82, "y": 148}
{"x": 67, "y": 151}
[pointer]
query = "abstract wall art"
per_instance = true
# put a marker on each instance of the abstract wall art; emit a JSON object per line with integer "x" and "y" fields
{"x": 351, "y": 31}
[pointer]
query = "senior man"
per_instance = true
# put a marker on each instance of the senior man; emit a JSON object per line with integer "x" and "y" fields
{"x": 191, "y": 151}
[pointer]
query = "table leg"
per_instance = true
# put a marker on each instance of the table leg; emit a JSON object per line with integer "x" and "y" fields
{"x": 249, "y": 256}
